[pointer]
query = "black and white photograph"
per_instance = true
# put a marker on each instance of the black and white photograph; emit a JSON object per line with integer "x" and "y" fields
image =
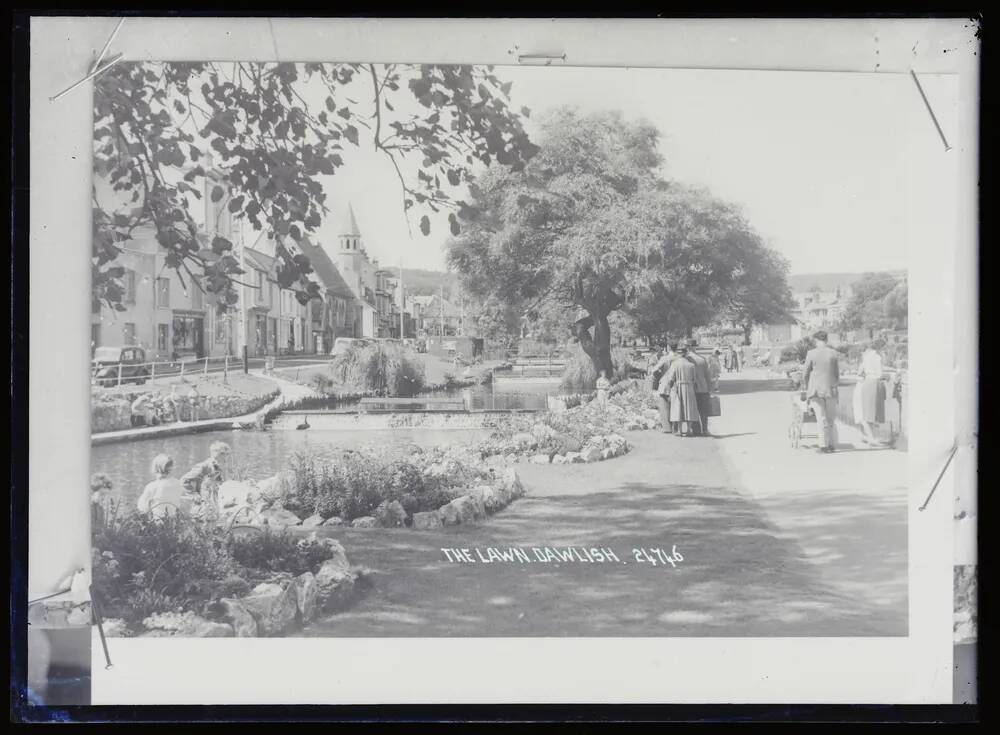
{"x": 456, "y": 361}
{"x": 419, "y": 350}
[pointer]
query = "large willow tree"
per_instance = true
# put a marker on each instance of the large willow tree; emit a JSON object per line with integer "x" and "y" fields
{"x": 588, "y": 225}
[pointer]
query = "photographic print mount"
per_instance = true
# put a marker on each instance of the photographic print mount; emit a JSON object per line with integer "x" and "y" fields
{"x": 366, "y": 580}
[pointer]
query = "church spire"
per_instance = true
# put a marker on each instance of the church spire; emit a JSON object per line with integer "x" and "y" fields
{"x": 349, "y": 225}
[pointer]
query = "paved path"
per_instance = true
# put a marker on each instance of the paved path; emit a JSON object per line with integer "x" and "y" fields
{"x": 776, "y": 542}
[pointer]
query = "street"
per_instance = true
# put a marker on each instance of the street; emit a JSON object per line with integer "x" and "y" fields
{"x": 167, "y": 373}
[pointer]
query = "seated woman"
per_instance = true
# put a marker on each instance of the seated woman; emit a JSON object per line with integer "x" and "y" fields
{"x": 163, "y": 496}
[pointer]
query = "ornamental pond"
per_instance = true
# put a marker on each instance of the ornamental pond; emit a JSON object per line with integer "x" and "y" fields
{"x": 260, "y": 454}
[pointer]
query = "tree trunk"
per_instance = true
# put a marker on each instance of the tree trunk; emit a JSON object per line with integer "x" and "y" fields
{"x": 597, "y": 346}
{"x": 747, "y": 329}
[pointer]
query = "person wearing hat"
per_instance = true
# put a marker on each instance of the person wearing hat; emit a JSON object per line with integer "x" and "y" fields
{"x": 702, "y": 384}
{"x": 680, "y": 382}
{"x": 822, "y": 378}
{"x": 658, "y": 374}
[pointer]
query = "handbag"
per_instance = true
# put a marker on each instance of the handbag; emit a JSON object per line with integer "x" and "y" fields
{"x": 714, "y": 406}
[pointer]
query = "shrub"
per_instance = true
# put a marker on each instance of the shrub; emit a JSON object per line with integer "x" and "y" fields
{"x": 142, "y": 565}
{"x": 321, "y": 382}
{"x": 270, "y": 551}
{"x": 109, "y": 412}
{"x": 385, "y": 369}
{"x": 359, "y": 482}
{"x": 796, "y": 352}
{"x": 580, "y": 375}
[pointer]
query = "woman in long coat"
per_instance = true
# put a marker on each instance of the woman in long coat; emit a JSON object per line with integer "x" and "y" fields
{"x": 680, "y": 380}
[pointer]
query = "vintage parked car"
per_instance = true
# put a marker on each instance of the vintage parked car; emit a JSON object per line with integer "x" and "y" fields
{"x": 343, "y": 344}
{"x": 104, "y": 366}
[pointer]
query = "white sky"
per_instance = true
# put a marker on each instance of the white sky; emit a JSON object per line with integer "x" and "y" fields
{"x": 816, "y": 159}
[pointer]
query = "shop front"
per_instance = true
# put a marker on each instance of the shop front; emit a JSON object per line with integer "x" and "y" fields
{"x": 188, "y": 335}
{"x": 259, "y": 347}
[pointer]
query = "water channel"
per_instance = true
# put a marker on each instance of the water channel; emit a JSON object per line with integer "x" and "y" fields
{"x": 259, "y": 454}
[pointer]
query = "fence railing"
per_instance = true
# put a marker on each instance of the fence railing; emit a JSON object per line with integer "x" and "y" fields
{"x": 114, "y": 375}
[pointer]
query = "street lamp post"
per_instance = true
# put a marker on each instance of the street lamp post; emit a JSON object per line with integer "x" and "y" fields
{"x": 245, "y": 315}
{"x": 402, "y": 305}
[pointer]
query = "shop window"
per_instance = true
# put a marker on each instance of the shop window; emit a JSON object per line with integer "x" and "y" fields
{"x": 163, "y": 293}
{"x": 128, "y": 281}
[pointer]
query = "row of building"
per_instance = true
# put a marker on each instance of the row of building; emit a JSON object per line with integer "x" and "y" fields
{"x": 172, "y": 317}
{"x": 814, "y": 309}
{"x": 820, "y": 302}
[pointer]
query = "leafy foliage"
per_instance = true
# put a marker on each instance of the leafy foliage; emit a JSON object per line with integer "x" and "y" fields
{"x": 580, "y": 375}
{"x": 796, "y": 352}
{"x": 255, "y": 139}
{"x": 276, "y": 552}
{"x": 358, "y": 483}
{"x": 878, "y": 301}
{"x": 387, "y": 369}
{"x": 143, "y": 565}
{"x": 590, "y": 228}
{"x": 761, "y": 294}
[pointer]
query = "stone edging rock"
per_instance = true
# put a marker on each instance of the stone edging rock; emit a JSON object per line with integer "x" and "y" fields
{"x": 477, "y": 504}
{"x": 598, "y": 449}
{"x": 275, "y": 608}
{"x": 474, "y": 505}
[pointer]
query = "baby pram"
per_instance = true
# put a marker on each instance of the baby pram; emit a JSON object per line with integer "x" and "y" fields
{"x": 803, "y": 421}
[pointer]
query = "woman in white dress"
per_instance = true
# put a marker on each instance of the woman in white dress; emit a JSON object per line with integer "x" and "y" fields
{"x": 163, "y": 496}
{"x": 869, "y": 394}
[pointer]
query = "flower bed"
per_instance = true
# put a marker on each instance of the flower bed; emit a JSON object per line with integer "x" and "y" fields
{"x": 376, "y": 488}
{"x": 579, "y": 430}
{"x": 175, "y": 577}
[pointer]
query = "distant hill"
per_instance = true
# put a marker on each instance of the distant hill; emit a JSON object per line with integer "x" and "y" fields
{"x": 802, "y": 282}
{"x": 421, "y": 282}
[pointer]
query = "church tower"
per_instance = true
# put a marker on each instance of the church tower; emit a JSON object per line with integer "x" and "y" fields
{"x": 350, "y": 236}
{"x": 351, "y": 258}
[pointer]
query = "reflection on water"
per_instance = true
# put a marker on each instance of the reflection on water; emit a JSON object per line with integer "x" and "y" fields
{"x": 503, "y": 395}
{"x": 256, "y": 454}
{"x": 509, "y": 394}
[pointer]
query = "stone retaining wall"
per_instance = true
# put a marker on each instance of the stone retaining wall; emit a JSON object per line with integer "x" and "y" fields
{"x": 113, "y": 412}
